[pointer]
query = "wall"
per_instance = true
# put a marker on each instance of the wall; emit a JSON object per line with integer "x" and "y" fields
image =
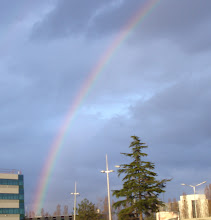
{"x": 187, "y": 210}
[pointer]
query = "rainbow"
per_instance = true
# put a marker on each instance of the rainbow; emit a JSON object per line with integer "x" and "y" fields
{"x": 92, "y": 77}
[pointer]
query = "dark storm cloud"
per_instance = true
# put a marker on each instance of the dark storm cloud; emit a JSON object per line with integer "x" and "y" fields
{"x": 186, "y": 23}
{"x": 68, "y": 18}
{"x": 166, "y": 17}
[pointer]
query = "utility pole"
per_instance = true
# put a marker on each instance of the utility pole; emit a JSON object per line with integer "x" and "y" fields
{"x": 75, "y": 194}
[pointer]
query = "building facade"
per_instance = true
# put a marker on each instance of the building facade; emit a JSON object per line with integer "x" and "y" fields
{"x": 193, "y": 206}
{"x": 167, "y": 215}
{"x": 11, "y": 195}
{"x": 51, "y": 218}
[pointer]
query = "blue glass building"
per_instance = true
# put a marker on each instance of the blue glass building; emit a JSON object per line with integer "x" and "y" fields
{"x": 11, "y": 195}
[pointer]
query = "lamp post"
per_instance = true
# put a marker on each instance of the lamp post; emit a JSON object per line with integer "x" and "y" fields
{"x": 107, "y": 171}
{"x": 194, "y": 190}
{"x": 75, "y": 194}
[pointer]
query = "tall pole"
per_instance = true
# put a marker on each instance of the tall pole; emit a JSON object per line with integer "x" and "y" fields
{"x": 107, "y": 171}
{"x": 109, "y": 201}
{"x": 75, "y": 202}
{"x": 75, "y": 194}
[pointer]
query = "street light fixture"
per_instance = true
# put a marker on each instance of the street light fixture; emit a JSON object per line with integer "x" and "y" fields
{"x": 75, "y": 194}
{"x": 194, "y": 190}
{"x": 107, "y": 171}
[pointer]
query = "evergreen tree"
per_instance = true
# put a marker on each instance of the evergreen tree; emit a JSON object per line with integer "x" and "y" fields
{"x": 87, "y": 211}
{"x": 140, "y": 189}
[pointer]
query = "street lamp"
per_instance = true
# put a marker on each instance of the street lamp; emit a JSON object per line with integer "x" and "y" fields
{"x": 75, "y": 194}
{"x": 107, "y": 171}
{"x": 194, "y": 190}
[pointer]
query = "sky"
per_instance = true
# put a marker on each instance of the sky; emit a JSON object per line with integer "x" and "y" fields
{"x": 155, "y": 86}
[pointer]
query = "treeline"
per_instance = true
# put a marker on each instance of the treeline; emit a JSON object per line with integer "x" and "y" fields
{"x": 43, "y": 213}
{"x": 85, "y": 208}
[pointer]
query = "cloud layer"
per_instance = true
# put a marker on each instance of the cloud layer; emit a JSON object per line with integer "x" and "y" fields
{"x": 156, "y": 86}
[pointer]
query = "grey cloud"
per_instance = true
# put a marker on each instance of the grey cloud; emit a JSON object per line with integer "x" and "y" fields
{"x": 181, "y": 22}
{"x": 182, "y": 109}
{"x": 186, "y": 23}
{"x": 68, "y": 18}
{"x": 16, "y": 11}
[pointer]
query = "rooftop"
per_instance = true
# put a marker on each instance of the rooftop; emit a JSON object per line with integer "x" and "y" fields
{"x": 11, "y": 171}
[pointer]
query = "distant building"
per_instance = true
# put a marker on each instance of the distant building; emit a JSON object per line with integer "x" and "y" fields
{"x": 192, "y": 206}
{"x": 51, "y": 218}
{"x": 167, "y": 215}
{"x": 11, "y": 195}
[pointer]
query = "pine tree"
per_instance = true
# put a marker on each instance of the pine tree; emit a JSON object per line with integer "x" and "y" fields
{"x": 87, "y": 210}
{"x": 140, "y": 188}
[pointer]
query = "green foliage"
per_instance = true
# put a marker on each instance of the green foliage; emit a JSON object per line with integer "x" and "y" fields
{"x": 87, "y": 211}
{"x": 140, "y": 189}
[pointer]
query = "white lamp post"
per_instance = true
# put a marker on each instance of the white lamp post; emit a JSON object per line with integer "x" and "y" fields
{"x": 75, "y": 194}
{"x": 194, "y": 190}
{"x": 107, "y": 171}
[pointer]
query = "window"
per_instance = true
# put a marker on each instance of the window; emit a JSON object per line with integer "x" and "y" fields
{"x": 11, "y": 196}
{"x": 20, "y": 177}
{"x": 194, "y": 205}
{"x": 20, "y": 182}
{"x": 10, "y": 182}
{"x": 21, "y": 191}
{"x": 21, "y": 204}
{"x": 11, "y": 211}
{"x": 21, "y": 196}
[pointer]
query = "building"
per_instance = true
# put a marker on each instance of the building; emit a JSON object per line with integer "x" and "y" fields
{"x": 11, "y": 195}
{"x": 193, "y": 206}
{"x": 51, "y": 218}
{"x": 167, "y": 215}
